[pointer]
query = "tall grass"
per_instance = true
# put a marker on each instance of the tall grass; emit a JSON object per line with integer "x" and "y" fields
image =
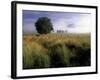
{"x": 54, "y": 50}
{"x": 59, "y": 55}
{"x": 35, "y": 56}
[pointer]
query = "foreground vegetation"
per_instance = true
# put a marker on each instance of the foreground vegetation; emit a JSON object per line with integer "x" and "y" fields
{"x": 56, "y": 50}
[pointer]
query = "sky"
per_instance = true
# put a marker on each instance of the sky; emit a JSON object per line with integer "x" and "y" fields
{"x": 71, "y": 22}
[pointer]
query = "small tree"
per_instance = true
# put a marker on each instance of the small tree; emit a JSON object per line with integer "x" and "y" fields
{"x": 43, "y": 25}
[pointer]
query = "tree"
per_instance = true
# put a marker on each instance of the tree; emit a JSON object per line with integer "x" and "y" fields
{"x": 44, "y": 25}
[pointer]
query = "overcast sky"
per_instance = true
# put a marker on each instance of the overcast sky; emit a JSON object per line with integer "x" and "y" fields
{"x": 66, "y": 21}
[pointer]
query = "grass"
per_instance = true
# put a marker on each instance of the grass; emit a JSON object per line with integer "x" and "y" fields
{"x": 56, "y": 50}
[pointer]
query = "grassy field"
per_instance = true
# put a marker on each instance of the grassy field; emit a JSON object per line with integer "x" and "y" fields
{"x": 56, "y": 50}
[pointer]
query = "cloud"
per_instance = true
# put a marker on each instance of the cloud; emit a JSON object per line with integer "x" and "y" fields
{"x": 83, "y": 25}
{"x": 60, "y": 24}
{"x": 69, "y": 21}
{"x": 71, "y": 25}
{"x": 29, "y": 28}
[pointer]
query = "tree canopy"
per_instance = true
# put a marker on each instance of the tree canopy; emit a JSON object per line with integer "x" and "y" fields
{"x": 44, "y": 25}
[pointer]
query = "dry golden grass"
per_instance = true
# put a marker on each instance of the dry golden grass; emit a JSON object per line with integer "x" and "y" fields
{"x": 54, "y": 38}
{"x": 36, "y": 49}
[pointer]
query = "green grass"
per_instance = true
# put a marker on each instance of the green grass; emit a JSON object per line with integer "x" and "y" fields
{"x": 56, "y": 50}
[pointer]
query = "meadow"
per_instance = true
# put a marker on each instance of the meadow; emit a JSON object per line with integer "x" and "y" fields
{"x": 56, "y": 50}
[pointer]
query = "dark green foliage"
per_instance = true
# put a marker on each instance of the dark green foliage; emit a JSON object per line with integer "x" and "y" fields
{"x": 43, "y": 25}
